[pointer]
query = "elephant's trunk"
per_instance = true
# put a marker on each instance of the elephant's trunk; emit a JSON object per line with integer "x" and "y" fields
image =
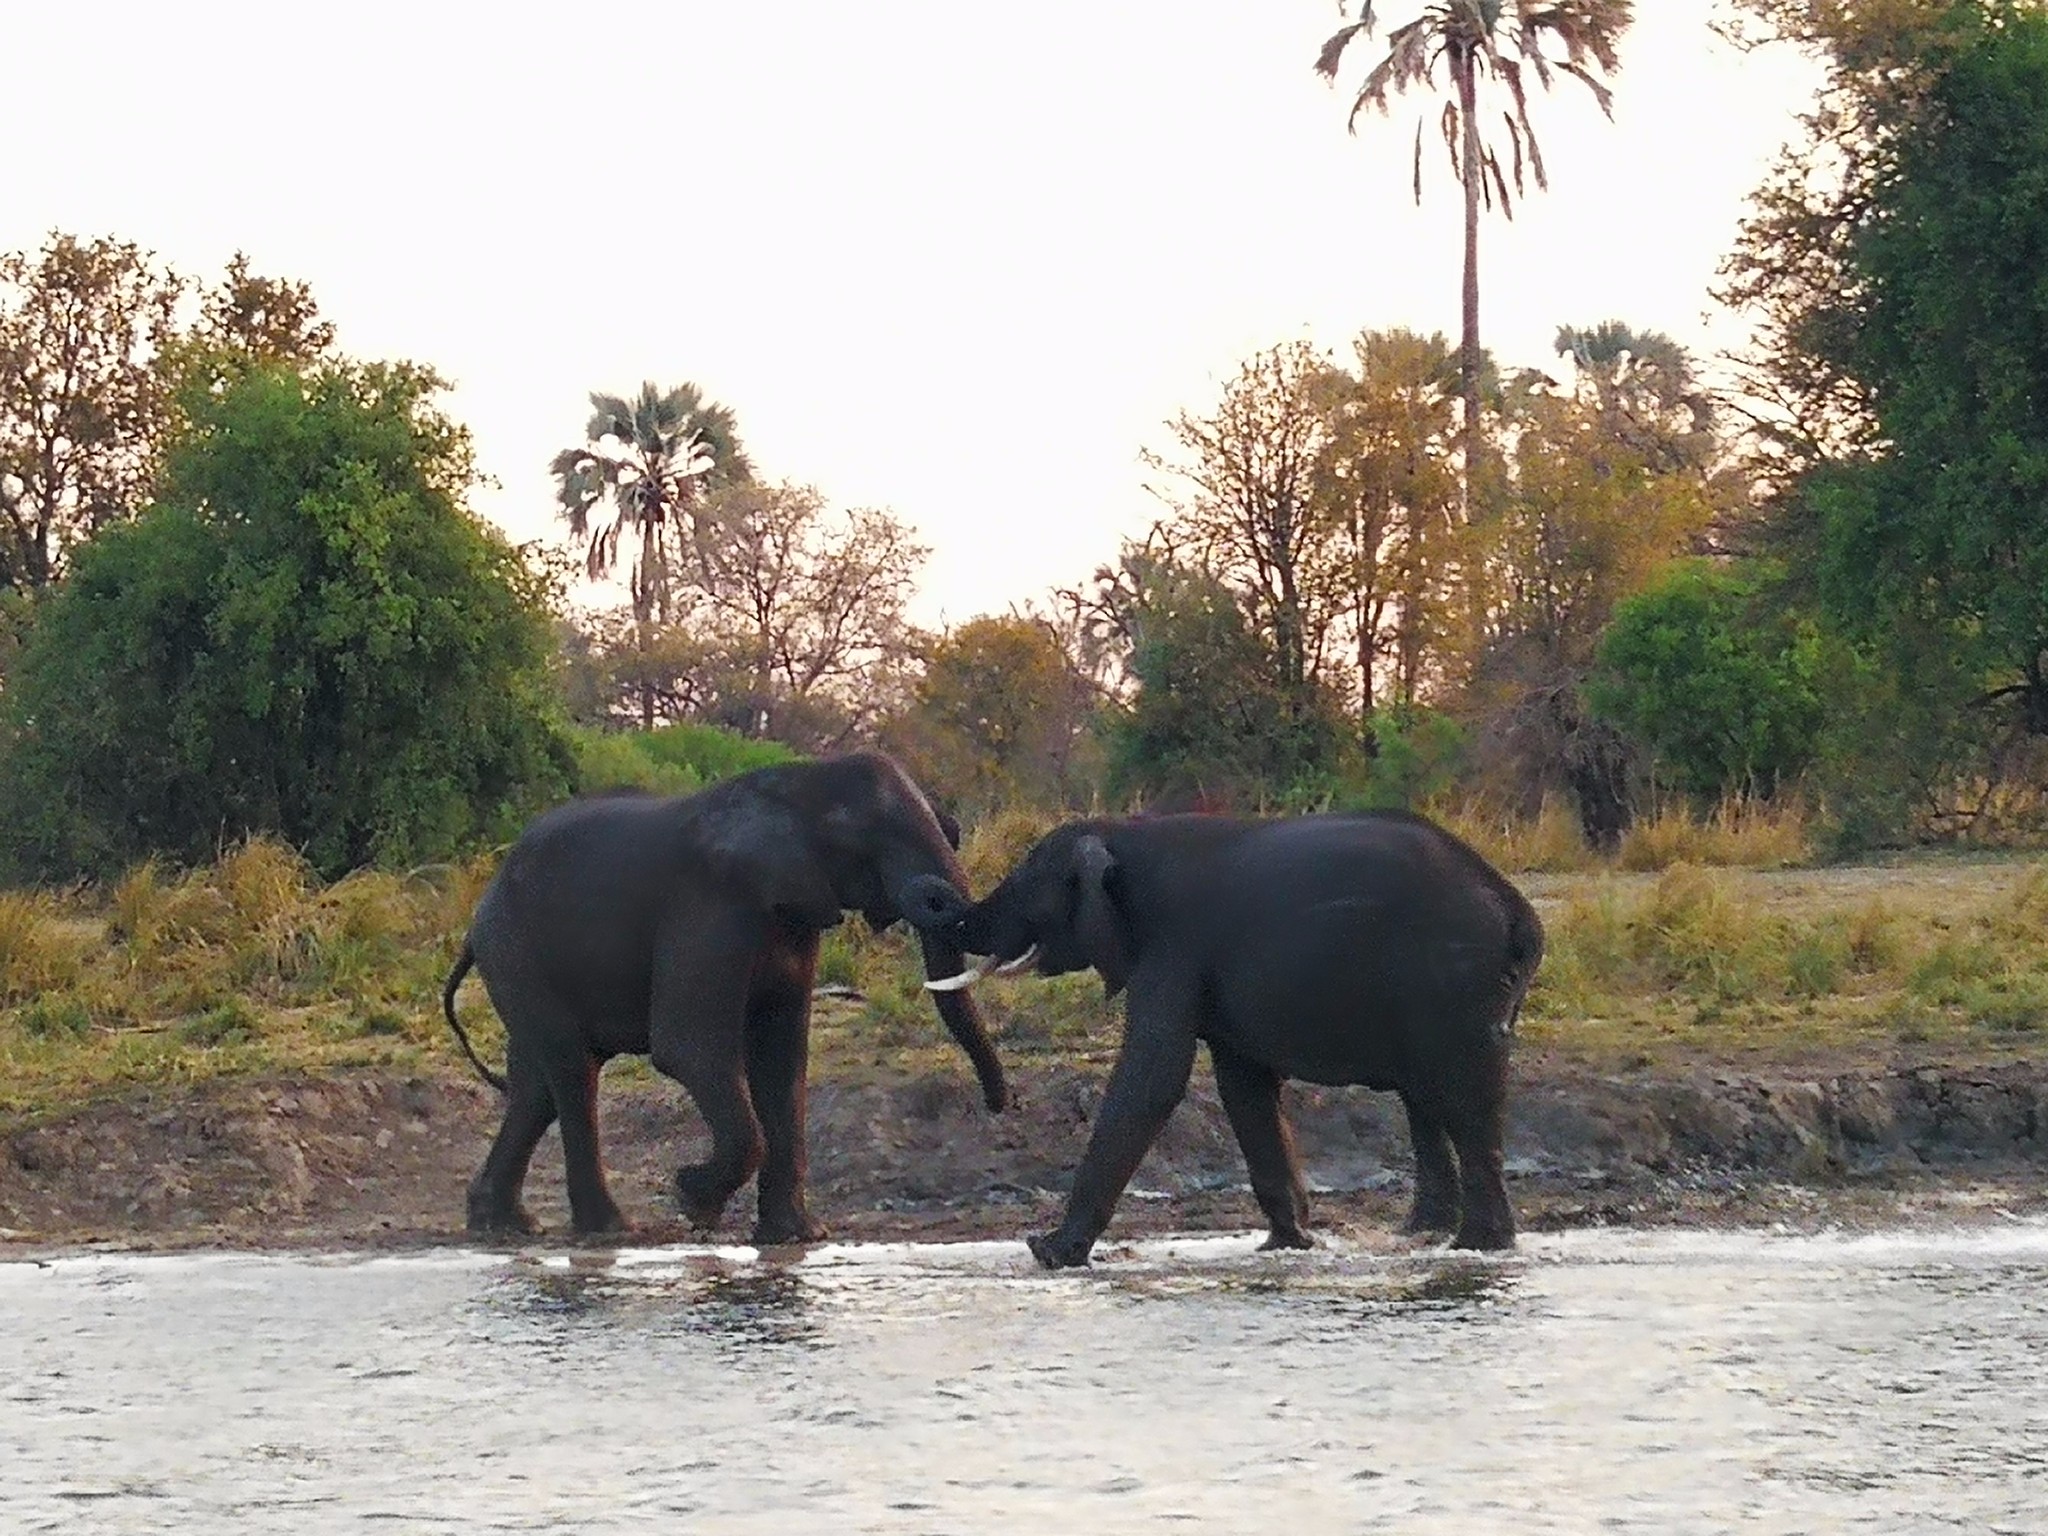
{"x": 962, "y": 1017}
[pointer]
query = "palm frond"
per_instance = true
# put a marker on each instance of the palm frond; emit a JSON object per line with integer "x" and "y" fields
{"x": 1332, "y": 55}
{"x": 1600, "y": 92}
{"x": 610, "y": 416}
{"x": 1491, "y": 161}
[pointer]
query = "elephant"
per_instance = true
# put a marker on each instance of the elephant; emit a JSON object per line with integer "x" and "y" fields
{"x": 686, "y": 929}
{"x": 1370, "y": 948}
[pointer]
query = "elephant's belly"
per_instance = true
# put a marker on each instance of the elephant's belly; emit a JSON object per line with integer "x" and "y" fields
{"x": 1338, "y": 1050}
{"x": 1337, "y": 995}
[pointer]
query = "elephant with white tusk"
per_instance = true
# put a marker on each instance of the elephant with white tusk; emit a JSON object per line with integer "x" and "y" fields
{"x": 1374, "y": 949}
{"x": 687, "y": 929}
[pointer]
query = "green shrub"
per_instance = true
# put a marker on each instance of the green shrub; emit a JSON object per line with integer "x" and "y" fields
{"x": 309, "y": 635}
{"x": 231, "y": 1022}
{"x": 49, "y": 1018}
{"x": 675, "y": 760}
{"x": 1711, "y": 672}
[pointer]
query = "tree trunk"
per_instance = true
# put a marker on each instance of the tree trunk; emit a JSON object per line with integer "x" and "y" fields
{"x": 643, "y": 617}
{"x": 1468, "y": 345}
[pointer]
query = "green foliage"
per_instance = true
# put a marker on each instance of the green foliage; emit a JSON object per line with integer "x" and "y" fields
{"x": 1721, "y": 686}
{"x": 1416, "y": 754}
{"x": 1936, "y": 542}
{"x": 55, "y": 1018}
{"x": 675, "y": 760}
{"x": 232, "y": 1022}
{"x": 1210, "y": 718}
{"x": 309, "y": 635}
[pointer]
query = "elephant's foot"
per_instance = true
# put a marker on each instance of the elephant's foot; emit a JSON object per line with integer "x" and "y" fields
{"x": 495, "y": 1217}
{"x": 1056, "y": 1250}
{"x": 1430, "y": 1220}
{"x": 1286, "y": 1237}
{"x": 608, "y": 1221}
{"x": 787, "y": 1227}
{"x": 700, "y": 1197}
{"x": 1496, "y": 1233}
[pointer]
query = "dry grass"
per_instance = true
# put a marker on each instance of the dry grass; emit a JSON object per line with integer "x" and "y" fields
{"x": 247, "y": 965}
{"x": 1550, "y": 842}
{"x": 1726, "y": 964}
{"x": 1741, "y": 832}
{"x": 253, "y": 966}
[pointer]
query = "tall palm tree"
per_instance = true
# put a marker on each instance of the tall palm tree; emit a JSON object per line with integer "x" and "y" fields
{"x": 650, "y": 460}
{"x": 1477, "y": 41}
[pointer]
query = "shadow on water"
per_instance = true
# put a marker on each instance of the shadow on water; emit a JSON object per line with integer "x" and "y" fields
{"x": 738, "y": 1303}
{"x": 1452, "y": 1284}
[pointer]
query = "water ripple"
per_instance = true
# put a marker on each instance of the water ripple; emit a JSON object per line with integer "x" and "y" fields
{"x": 1660, "y": 1382}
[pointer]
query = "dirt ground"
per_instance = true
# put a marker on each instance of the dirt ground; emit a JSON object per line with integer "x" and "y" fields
{"x": 378, "y": 1160}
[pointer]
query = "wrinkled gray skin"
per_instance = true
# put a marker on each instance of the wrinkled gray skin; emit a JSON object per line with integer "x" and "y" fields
{"x": 687, "y": 930}
{"x": 1372, "y": 949}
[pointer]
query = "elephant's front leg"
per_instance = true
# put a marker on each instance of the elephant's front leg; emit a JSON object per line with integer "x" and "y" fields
{"x": 1149, "y": 1080}
{"x": 778, "y": 1054}
{"x": 697, "y": 1035}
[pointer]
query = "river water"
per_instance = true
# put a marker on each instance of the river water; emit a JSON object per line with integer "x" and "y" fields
{"x": 1595, "y": 1381}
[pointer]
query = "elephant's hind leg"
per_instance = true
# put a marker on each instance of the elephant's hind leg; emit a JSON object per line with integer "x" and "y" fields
{"x": 573, "y": 1077}
{"x": 1437, "y": 1203}
{"x": 495, "y": 1206}
{"x": 546, "y": 1055}
{"x": 1480, "y": 1131}
{"x": 1251, "y": 1097}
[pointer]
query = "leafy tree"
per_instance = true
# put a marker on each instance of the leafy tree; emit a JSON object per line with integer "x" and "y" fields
{"x": 1387, "y": 490}
{"x": 1941, "y": 528}
{"x": 1720, "y": 681}
{"x": 1000, "y": 715}
{"x": 307, "y": 635}
{"x": 82, "y": 399}
{"x": 1479, "y": 41}
{"x": 1209, "y": 719}
{"x": 1251, "y": 516}
{"x": 649, "y": 459}
{"x": 787, "y": 623}
{"x": 802, "y": 612}
{"x": 246, "y": 320}
{"x": 1791, "y": 272}
{"x": 1585, "y": 521}
{"x": 1643, "y": 386}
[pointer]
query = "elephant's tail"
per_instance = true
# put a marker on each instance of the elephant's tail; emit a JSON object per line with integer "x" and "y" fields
{"x": 1525, "y": 953}
{"x": 463, "y": 962}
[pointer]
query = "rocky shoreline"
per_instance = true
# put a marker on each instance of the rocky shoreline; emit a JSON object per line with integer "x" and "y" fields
{"x": 380, "y": 1160}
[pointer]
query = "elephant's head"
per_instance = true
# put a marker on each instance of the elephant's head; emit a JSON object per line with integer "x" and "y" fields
{"x": 1056, "y": 911}
{"x": 868, "y": 840}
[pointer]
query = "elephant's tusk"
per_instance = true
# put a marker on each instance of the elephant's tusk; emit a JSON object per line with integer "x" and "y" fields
{"x": 1012, "y": 967}
{"x": 963, "y": 980}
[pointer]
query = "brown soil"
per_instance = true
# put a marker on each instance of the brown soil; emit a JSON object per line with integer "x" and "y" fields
{"x": 379, "y": 1160}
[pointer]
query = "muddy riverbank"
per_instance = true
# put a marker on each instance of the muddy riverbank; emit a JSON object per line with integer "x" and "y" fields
{"x": 379, "y": 1159}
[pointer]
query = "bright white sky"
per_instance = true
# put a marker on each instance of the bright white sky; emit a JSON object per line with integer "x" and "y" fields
{"x": 958, "y": 261}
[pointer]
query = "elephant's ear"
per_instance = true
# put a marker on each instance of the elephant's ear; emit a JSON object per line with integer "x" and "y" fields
{"x": 788, "y": 881}
{"x": 1097, "y": 923}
